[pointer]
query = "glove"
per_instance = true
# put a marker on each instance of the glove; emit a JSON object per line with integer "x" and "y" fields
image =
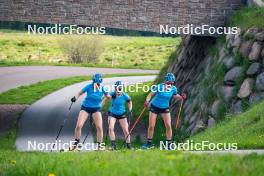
{"x": 146, "y": 104}
{"x": 73, "y": 99}
{"x": 183, "y": 96}
{"x": 114, "y": 96}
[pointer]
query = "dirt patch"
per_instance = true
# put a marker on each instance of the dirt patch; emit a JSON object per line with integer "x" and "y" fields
{"x": 8, "y": 116}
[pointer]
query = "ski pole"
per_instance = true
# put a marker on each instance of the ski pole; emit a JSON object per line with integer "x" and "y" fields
{"x": 107, "y": 131}
{"x": 178, "y": 118}
{"x": 129, "y": 118}
{"x": 62, "y": 125}
{"x": 135, "y": 123}
{"x": 179, "y": 114}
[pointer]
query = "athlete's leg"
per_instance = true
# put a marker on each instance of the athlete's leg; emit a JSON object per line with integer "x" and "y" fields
{"x": 83, "y": 115}
{"x": 124, "y": 125}
{"x": 167, "y": 122}
{"x": 111, "y": 127}
{"x": 152, "y": 123}
{"x": 97, "y": 118}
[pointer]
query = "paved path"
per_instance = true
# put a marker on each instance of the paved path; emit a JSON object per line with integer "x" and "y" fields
{"x": 41, "y": 121}
{"x": 12, "y": 77}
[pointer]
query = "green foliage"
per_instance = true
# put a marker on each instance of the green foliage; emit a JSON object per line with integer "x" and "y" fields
{"x": 213, "y": 51}
{"x": 8, "y": 142}
{"x": 245, "y": 129}
{"x": 245, "y": 104}
{"x": 238, "y": 58}
{"x": 211, "y": 95}
{"x": 164, "y": 69}
{"x": 248, "y": 17}
{"x": 81, "y": 49}
{"x": 249, "y": 36}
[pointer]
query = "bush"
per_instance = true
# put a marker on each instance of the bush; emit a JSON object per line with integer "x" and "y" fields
{"x": 82, "y": 49}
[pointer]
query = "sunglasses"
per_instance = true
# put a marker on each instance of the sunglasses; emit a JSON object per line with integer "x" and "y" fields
{"x": 169, "y": 82}
{"x": 119, "y": 88}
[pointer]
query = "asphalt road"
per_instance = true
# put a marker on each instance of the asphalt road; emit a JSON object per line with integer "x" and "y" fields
{"x": 12, "y": 77}
{"x": 40, "y": 122}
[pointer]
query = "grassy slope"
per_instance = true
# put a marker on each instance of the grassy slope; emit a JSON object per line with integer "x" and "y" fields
{"x": 134, "y": 163}
{"x": 248, "y": 17}
{"x": 31, "y": 93}
{"x": 246, "y": 129}
{"x": 129, "y": 52}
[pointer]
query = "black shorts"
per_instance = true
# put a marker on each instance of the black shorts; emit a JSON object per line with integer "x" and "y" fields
{"x": 90, "y": 110}
{"x": 157, "y": 110}
{"x": 122, "y": 116}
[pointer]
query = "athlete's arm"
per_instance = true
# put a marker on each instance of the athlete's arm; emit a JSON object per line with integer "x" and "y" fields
{"x": 103, "y": 101}
{"x": 75, "y": 98}
{"x": 150, "y": 95}
{"x": 79, "y": 94}
{"x": 179, "y": 97}
{"x": 107, "y": 96}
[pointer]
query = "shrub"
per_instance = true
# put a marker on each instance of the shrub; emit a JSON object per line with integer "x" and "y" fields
{"x": 82, "y": 49}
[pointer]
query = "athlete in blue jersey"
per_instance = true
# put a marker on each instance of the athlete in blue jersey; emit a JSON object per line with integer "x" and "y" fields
{"x": 91, "y": 105}
{"x": 159, "y": 103}
{"x": 117, "y": 111}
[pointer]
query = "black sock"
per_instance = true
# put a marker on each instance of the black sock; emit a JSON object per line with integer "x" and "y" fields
{"x": 168, "y": 141}
{"x": 149, "y": 141}
{"x": 76, "y": 142}
{"x": 113, "y": 143}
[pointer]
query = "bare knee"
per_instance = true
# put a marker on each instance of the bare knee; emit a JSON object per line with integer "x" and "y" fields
{"x": 111, "y": 129}
{"x": 99, "y": 129}
{"x": 151, "y": 127}
{"x": 78, "y": 127}
{"x": 168, "y": 126}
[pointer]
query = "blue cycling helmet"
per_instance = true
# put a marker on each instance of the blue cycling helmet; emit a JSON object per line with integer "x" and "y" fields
{"x": 98, "y": 78}
{"x": 118, "y": 83}
{"x": 170, "y": 77}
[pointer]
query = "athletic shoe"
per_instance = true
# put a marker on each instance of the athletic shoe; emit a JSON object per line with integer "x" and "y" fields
{"x": 147, "y": 146}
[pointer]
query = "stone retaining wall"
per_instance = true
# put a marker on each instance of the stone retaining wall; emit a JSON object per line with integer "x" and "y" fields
{"x": 143, "y": 15}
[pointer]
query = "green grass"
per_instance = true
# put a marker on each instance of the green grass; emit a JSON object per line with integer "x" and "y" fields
{"x": 248, "y": 17}
{"x": 151, "y": 162}
{"x": 19, "y": 48}
{"x": 132, "y": 163}
{"x": 245, "y": 129}
{"x": 31, "y": 93}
